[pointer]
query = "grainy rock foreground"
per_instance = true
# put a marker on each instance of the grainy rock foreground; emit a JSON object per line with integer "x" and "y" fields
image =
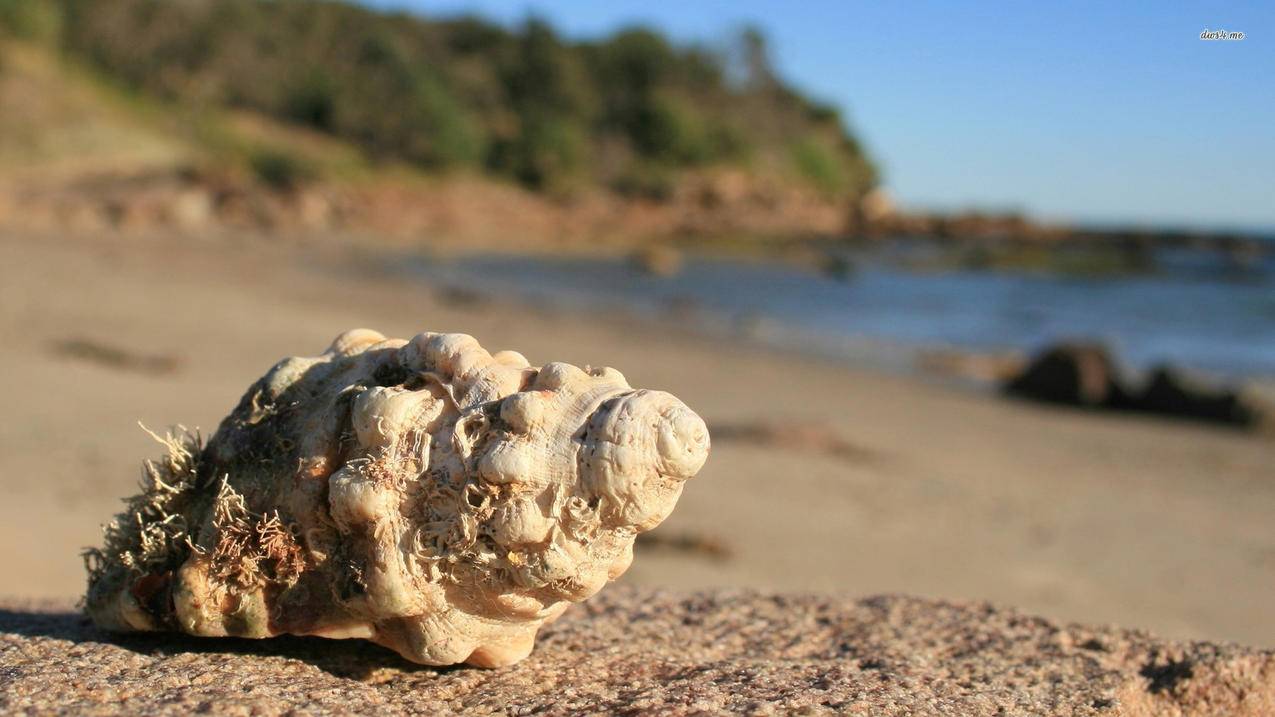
{"x": 631, "y": 651}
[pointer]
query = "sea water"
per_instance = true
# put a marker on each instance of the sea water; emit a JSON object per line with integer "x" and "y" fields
{"x": 1191, "y": 309}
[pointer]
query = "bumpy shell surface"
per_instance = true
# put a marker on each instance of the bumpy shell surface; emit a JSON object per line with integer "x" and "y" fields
{"x": 427, "y": 495}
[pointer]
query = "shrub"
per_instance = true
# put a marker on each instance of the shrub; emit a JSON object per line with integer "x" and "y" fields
{"x": 645, "y": 180}
{"x": 819, "y": 165}
{"x": 30, "y": 19}
{"x": 311, "y": 100}
{"x": 279, "y": 170}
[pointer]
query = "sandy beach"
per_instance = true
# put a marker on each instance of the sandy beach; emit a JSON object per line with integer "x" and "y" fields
{"x": 907, "y": 485}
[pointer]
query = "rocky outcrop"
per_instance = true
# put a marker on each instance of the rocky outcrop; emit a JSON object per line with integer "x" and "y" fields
{"x": 637, "y": 651}
{"x": 1087, "y": 375}
{"x": 1175, "y": 392}
{"x": 1075, "y": 374}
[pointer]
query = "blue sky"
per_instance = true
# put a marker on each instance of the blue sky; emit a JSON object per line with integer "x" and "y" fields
{"x": 1097, "y": 112}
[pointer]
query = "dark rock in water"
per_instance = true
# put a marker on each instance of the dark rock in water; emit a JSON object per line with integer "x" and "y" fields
{"x": 837, "y": 267}
{"x": 1086, "y": 375}
{"x": 1075, "y": 374}
{"x": 1174, "y": 392}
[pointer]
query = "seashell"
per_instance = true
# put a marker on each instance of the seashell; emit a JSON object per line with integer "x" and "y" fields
{"x": 425, "y": 494}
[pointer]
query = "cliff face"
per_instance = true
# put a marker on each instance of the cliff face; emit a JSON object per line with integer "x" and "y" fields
{"x": 634, "y": 651}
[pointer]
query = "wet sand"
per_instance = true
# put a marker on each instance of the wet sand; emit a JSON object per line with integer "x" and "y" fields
{"x": 907, "y": 486}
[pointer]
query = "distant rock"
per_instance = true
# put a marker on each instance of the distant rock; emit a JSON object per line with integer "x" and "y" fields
{"x": 837, "y": 266}
{"x": 657, "y": 260}
{"x": 1075, "y": 374}
{"x": 1175, "y": 392}
{"x": 877, "y": 205}
{"x": 191, "y": 208}
{"x": 1086, "y": 374}
{"x": 637, "y": 651}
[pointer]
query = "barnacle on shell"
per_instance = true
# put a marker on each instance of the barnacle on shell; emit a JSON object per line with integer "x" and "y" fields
{"x": 427, "y": 495}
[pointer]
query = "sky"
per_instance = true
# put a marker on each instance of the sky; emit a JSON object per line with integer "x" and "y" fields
{"x": 1095, "y": 112}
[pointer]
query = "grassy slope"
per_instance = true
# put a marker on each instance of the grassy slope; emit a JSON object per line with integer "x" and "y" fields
{"x": 59, "y": 121}
{"x": 62, "y": 121}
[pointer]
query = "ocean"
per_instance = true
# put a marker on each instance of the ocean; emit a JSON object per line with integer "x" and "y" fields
{"x": 1190, "y": 308}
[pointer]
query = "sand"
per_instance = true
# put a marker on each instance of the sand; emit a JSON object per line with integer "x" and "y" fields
{"x": 911, "y": 486}
{"x": 638, "y": 651}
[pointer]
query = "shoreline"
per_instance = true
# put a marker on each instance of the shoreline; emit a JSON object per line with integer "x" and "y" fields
{"x": 710, "y": 213}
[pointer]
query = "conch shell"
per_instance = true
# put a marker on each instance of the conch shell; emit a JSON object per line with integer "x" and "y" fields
{"x": 427, "y": 495}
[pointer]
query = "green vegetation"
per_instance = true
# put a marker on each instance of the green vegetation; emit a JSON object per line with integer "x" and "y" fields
{"x": 631, "y": 111}
{"x": 819, "y": 164}
{"x": 29, "y": 20}
{"x": 279, "y": 169}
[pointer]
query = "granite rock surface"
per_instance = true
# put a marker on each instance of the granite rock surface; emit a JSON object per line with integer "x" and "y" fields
{"x": 633, "y": 651}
